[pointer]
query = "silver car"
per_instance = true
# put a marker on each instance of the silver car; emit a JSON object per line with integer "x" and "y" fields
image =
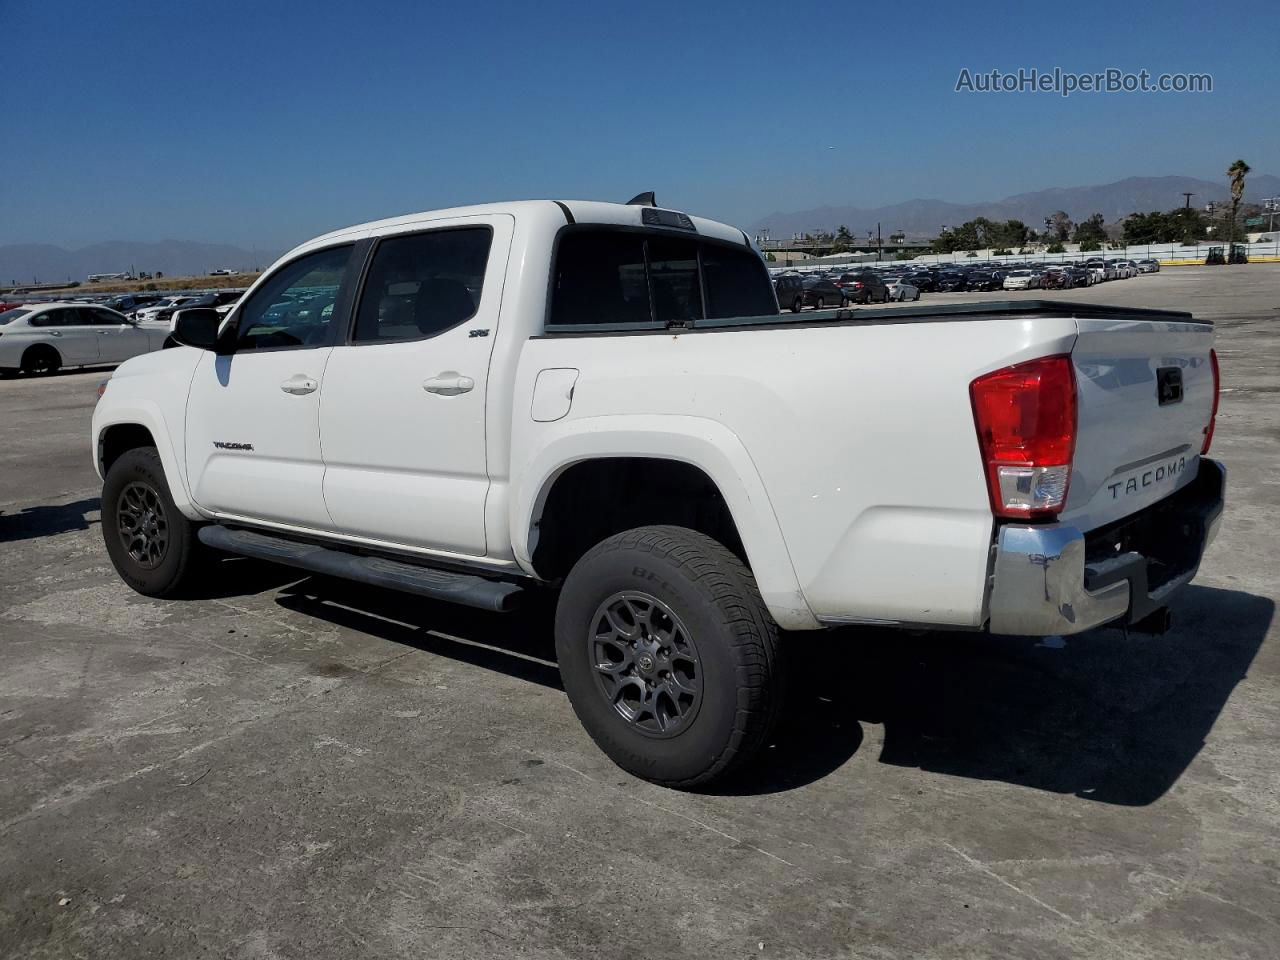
{"x": 40, "y": 338}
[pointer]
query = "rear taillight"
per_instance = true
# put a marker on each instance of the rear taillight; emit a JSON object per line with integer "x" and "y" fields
{"x": 1213, "y": 416}
{"x": 857, "y": 286}
{"x": 1026, "y": 420}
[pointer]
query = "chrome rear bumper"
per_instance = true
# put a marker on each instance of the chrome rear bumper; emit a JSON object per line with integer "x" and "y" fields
{"x": 1053, "y": 579}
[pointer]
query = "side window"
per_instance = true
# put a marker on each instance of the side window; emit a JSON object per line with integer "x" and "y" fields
{"x": 102, "y": 318}
{"x": 736, "y": 282}
{"x": 600, "y": 278}
{"x": 295, "y": 307}
{"x": 422, "y": 284}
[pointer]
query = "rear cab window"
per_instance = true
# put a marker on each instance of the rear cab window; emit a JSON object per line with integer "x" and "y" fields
{"x": 612, "y": 278}
{"x": 422, "y": 284}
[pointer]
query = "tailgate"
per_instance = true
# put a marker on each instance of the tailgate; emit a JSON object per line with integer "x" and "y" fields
{"x": 1138, "y": 441}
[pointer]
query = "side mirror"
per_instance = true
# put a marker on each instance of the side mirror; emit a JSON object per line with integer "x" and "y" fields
{"x": 197, "y": 327}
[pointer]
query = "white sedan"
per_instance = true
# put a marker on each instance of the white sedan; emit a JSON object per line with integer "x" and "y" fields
{"x": 1022, "y": 280}
{"x": 39, "y": 338}
{"x": 148, "y": 313}
{"x": 900, "y": 290}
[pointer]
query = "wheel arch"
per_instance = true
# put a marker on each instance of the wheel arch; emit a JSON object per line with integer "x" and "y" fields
{"x": 39, "y": 346}
{"x": 137, "y": 425}
{"x": 680, "y": 453}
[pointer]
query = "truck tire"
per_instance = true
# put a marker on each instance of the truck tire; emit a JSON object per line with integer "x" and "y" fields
{"x": 668, "y": 655}
{"x": 152, "y": 546}
{"x": 40, "y": 361}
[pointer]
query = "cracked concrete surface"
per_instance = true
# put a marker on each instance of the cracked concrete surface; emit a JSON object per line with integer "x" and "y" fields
{"x": 295, "y": 767}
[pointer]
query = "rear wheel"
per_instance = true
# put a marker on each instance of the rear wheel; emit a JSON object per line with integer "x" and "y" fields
{"x": 40, "y": 361}
{"x": 820, "y": 304}
{"x": 797, "y": 305}
{"x": 668, "y": 655}
{"x": 152, "y": 546}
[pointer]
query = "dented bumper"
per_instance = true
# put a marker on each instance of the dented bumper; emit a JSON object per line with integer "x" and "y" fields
{"x": 1053, "y": 579}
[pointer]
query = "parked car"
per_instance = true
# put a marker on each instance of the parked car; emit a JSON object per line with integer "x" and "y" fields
{"x": 1057, "y": 278}
{"x": 1097, "y": 267}
{"x": 822, "y": 292}
{"x": 1149, "y": 266}
{"x": 789, "y": 289}
{"x": 923, "y": 280}
{"x": 686, "y": 495}
{"x": 150, "y": 314}
{"x": 42, "y": 338}
{"x": 1022, "y": 280}
{"x": 983, "y": 280}
{"x": 129, "y": 303}
{"x": 950, "y": 281}
{"x": 901, "y": 290}
{"x": 220, "y": 298}
{"x": 1080, "y": 276}
{"x": 865, "y": 287}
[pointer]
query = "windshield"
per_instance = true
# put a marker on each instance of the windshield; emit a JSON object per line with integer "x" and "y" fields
{"x": 11, "y": 315}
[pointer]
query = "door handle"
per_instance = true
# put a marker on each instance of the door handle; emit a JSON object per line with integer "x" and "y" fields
{"x": 300, "y": 384}
{"x": 448, "y": 384}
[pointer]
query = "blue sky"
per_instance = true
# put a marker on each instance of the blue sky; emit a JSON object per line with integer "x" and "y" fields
{"x": 262, "y": 123}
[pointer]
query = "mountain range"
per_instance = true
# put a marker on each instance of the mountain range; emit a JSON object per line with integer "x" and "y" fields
{"x": 926, "y": 217}
{"x": 28, "y": 263}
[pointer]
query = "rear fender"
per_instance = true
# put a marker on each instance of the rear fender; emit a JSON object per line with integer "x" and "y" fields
{"x": 705, "y": 444}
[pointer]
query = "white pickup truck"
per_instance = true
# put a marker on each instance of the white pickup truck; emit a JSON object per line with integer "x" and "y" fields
{"x": 603, "y": 400}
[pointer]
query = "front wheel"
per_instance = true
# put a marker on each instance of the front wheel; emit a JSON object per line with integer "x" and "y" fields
{"x": 152, "y": 546}
{"x": 797, "y": 305}
{"x": 668, "y": 655}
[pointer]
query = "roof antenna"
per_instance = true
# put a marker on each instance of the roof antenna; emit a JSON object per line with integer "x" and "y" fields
{"x": 645, "y": 199}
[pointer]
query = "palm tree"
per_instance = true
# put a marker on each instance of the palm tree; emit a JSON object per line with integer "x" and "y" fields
{"x": 1237, "y": 172}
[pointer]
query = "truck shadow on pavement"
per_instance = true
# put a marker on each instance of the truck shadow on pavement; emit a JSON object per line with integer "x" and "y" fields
{"x": 521, "y": 645}
{"x": 1106, "y": 716}
{"x": 32, "y": 522}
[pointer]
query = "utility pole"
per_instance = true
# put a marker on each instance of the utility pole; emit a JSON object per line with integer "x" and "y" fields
{"x": 877, "y": 241}
{"x": 1188, "y": 196}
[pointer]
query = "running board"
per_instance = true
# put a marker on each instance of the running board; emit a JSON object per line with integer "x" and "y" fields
{"x": 498, "y": 596}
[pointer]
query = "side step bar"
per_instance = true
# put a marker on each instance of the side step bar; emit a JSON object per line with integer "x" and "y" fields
{"x": 498, "y": 596}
